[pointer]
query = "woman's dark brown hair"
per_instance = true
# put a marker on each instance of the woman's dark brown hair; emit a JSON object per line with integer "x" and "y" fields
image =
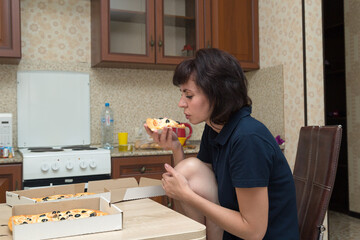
{"x": 220, "y": 76}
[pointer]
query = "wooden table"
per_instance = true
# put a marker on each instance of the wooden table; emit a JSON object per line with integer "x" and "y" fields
{"x": 143, "y": 219}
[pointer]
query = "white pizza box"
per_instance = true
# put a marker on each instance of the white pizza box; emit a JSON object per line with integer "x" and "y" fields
{"x": 47, "y": 230}
{"x": 124, "y": 189}
{"x": 24, "y": 196}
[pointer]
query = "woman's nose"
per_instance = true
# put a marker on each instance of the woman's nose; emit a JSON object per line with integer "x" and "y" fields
{"x": 182, "y": 103}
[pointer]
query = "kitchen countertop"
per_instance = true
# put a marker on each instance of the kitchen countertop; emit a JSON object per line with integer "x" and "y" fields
{"x": 147, "y": 152}
{"x": 116, "y": 153}
{"x": 143, "y": 219}
{"x": 16, "y": 159}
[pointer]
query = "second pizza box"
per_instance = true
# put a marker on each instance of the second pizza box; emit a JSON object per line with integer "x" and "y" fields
{"x": 124, "y": 189}
{"x": 46, "y": 230}
{"x": 25, "y": 196}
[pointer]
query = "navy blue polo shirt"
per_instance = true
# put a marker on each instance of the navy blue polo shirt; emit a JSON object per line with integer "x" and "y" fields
{"x": 244, "y": 155}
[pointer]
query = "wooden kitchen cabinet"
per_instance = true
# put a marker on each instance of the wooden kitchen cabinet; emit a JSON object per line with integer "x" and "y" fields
{"x": 233, "y": 26}
{"x": 142, "y": 166}
{"x": 10, "y": 179}
{"x": 145, "y": 33}
{"x": 10, "y": 45}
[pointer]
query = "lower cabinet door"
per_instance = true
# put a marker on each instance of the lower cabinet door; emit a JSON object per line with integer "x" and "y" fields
{"x": 10, "y": 179}
{"x": 144, "y": 166}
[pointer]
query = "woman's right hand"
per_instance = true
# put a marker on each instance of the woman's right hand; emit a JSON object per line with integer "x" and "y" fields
{"x": 167, "y": 139}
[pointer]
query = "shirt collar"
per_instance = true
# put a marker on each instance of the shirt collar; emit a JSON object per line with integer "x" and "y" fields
{"x": 228, "y": 128}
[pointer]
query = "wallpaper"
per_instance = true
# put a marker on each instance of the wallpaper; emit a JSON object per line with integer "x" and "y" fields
{"x": 281, "y": 42}
{"x": 55, "y": 30}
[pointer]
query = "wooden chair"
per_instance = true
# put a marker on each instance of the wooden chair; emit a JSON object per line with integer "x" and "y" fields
{"x": 314, "y": 176}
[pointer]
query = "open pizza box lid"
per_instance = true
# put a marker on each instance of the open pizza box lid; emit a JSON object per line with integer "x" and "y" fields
{"x": 124, "y": 189}
{"x": 24, "y": 196}
{"x": 46, "y": 230}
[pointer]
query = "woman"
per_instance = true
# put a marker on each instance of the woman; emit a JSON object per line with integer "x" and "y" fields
{"x": 240, "y": 185}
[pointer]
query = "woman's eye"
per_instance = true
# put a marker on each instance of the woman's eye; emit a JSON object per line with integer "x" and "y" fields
{"x": 189, "y": 97}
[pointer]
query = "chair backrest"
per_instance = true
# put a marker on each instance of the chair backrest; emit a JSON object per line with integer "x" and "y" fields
{"x": 314, "y": 175}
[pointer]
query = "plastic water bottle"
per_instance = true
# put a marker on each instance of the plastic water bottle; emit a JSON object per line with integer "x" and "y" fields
{"x": 107, "y": 127}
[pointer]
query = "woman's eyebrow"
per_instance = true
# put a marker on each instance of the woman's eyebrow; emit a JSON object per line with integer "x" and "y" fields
{"x": 184, "y": 90}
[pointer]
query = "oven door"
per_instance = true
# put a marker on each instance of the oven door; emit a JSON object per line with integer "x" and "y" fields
{"x": 38, "y": 183}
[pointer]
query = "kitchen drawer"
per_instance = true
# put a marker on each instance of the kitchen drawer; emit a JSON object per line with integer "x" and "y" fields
{"x": 146, "y": 166}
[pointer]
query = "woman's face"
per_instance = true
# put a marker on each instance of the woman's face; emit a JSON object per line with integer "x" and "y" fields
{"x": 194, "y": 102}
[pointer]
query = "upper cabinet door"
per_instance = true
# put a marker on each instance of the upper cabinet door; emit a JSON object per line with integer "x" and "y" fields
{"x": 122, "y": 31}
{"x": 10, "y": 45}
{"x": 179, "y": 29}
{"x": 145, "y": 33}
{"x": 234, "y": 27}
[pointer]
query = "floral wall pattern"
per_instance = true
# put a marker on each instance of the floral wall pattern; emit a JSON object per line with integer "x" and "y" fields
{"x": 281, "y": 42}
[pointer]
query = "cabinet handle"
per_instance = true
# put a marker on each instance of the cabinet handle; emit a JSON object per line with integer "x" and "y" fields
{"x": 160, "y": 45}
{"x": 152, "y": 43}
{"x": 169, "y": 205}
{"x": 16, "y": 185}
{"x": 142, "y": 169}
{"x": 208, "y": 45}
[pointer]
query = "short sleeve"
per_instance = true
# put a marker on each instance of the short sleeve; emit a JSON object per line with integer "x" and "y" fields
{"x": 204, "y": 151}
{"x": 251, "y": 162}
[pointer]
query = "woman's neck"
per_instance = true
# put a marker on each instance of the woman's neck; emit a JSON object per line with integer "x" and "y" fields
{"x": 216, "y": 127}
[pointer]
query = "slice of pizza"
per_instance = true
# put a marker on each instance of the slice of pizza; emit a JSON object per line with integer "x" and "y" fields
{"x": 160, "y": 123}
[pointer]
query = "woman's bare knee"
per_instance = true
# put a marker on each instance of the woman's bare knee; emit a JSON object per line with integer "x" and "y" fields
{"x": 200, "y": 176}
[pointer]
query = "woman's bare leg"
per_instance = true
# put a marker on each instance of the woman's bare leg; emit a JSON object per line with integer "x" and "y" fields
{"x": 202, "y": 180}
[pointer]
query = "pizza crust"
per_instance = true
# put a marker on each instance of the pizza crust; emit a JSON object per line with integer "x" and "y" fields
{"x": 61, "y": 196}
{"x": 160, "y": 123}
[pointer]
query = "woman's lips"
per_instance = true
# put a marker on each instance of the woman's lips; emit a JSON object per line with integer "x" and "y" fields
{"x": 187, "y": 116}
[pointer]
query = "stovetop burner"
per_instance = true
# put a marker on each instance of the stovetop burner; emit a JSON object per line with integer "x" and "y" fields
{"x": 45, "y": 149}
{"x": 79, "y": 148}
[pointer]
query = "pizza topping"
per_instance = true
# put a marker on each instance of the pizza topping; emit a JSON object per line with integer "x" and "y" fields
{"x": 160, "y": 123}
{"x": 54, "y": 216}
{"x": 58, "y": 197}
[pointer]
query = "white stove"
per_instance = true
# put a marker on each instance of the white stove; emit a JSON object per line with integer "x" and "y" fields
{"x": 54, "y": 130}
{"x": 42, "y": 163}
